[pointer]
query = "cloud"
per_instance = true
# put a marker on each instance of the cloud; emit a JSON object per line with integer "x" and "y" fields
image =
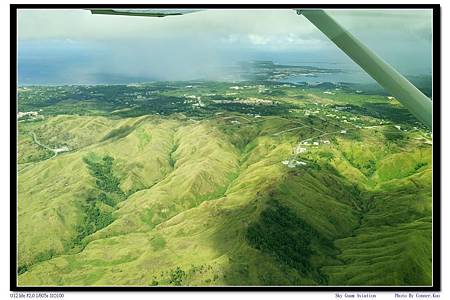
{"x": 257, "y": 39}
{"x": 200, "y": 44}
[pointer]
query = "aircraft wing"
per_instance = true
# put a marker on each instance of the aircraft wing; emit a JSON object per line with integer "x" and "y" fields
{"x": 390, "y": 79}
{"x": 143, "y": 12}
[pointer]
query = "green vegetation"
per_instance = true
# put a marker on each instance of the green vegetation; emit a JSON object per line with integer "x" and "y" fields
{"x": 214, "y": 183}
{"x": 158, "y": 243}
{"x": 97, "y": 211}
{"x": 177, "y": 276}
{"x": 102, "y": 171}
{"x": 394, "y": 136}
{"x": 283, "y": 235}
{"x": 95, "y": 218}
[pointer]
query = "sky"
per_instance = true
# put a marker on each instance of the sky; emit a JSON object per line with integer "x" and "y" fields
{"x": 74, "y": 46}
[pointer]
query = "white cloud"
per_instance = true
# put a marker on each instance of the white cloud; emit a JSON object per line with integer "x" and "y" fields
{"x": 257, "y": 39}
{"x": 212, "y": 38}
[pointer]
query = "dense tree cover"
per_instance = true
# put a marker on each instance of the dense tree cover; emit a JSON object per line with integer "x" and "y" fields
{"x": 102, "y": 171}
{"x": 163, "y": 98}
{"x": 370, "y": 167}
{"x": 96, "y": 217}
{"x": 22, "y": 269}
{"x": 180, "y": 277}
{"x": 177, "y": 276}
{"x": 285, "y": 236}
{"x": 160, "y": 104}
{"x": 420, "y": 165}
{"x": 393, "y": 136}
{"x": 263, "y": 110}
{"x": 383, "y": 111}
{"x": 41, "y": 256}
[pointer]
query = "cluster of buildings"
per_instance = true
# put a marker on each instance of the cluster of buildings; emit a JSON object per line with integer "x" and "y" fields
{"x": 195, "y": 101}
{"x": 292, "y": 163}
{"x": 21, "y": 114}
{"x": 249, "y": 101}
{"x": 29, "y": 114}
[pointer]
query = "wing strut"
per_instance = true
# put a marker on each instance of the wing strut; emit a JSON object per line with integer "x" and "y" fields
{"x": 392, "y": 81}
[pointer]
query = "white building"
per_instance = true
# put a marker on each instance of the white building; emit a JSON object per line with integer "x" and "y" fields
{"x": 299, "y": 150}
{"x": 27, "y": 113}
{"x": 294, "y": 163}
{"x": 61, "y": 149}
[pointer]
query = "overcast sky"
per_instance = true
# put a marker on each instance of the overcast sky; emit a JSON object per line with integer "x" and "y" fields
{"x": 78, "y": 45}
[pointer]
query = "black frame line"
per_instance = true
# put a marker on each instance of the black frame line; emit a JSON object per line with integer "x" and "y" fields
{"x": 436, "y": 152}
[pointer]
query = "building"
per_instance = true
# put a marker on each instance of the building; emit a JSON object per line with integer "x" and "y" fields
{"x": 299, "y": 150}
{"x": 27, "y": 114}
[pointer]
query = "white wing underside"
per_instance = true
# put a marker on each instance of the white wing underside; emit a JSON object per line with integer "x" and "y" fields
{"x": 162, "y": 12}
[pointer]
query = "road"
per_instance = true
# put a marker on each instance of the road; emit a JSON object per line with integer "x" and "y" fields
{"x": 287, "y": 130}
{"x": 44, "y": 146}
{"x": 55, "y": 152}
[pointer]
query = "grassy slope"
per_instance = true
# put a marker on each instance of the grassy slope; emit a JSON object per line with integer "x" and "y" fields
{"x": 392, "y": 244}
{"x": 195, "y": 188}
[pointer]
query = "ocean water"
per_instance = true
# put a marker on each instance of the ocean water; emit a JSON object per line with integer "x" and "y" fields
{"x": 345, "y": 72}
{"x": 60, "y": 70}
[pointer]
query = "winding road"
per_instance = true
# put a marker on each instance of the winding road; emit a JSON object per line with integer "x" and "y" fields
{"x": 55, "y": 152}
{"x": 44, "y": 146}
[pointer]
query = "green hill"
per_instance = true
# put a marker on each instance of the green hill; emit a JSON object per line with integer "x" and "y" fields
{"x": 227, "y": 199}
